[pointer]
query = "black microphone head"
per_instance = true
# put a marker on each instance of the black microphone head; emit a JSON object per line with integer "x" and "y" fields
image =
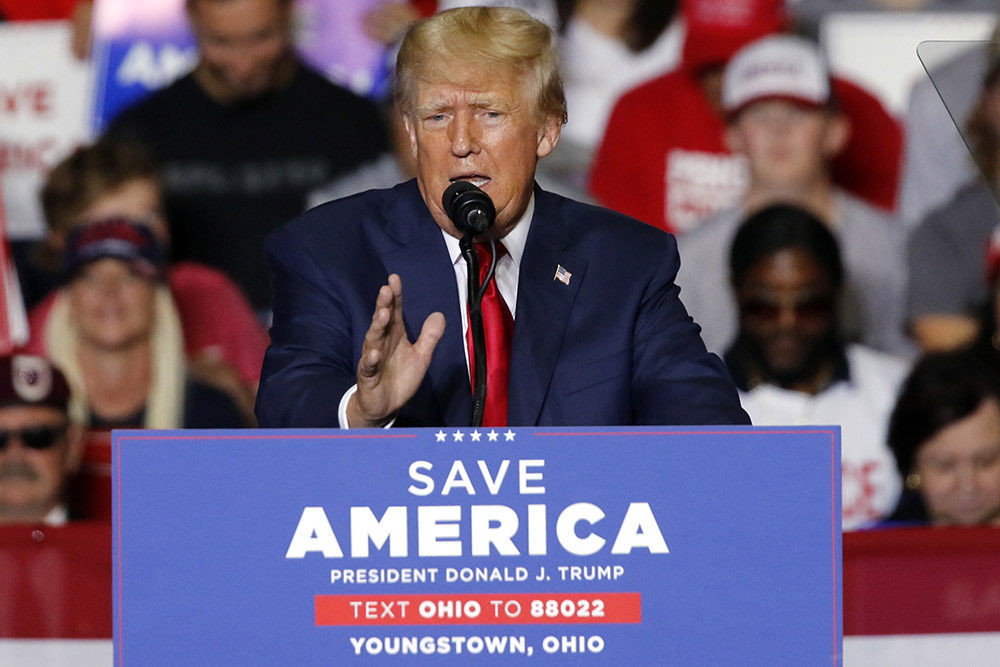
{"x": 468, "y": 207}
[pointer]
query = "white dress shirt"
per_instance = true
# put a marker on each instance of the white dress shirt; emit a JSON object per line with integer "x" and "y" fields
{"x": 506, "y": 277}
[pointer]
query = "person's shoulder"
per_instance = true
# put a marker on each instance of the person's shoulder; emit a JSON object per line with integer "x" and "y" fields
{"x": 311, "y": 83}
{"x": 591, "y": 219}
{"x": 874, "y": 367}
{"x": 677, "y": 81}
{"x": 163, "y": 104}
{"x": 858, "y": 217}
{"x": 715, "y": 232}
{"x": 359, "y": 213}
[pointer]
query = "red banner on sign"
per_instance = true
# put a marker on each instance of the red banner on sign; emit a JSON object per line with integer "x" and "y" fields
{"x": 501, "y": 608}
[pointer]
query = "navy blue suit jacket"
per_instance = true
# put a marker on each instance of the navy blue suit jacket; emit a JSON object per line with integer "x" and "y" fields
{"x": 613, "y": 347}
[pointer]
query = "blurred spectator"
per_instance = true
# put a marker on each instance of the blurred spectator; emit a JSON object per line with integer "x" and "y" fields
{"x": 39, "y": 448}
{"x": 946, "y": 252}
{"x": 607, "y": 48}
{"x": 945, "y": 434}
{"x": 664, "y": 158}
{"x": 791, "y": 365}
{"x": 246, "y": 136}
{"x": 114, "y": 331}
{"x": 784, "y": 119}
{"x": 223, "y": 340}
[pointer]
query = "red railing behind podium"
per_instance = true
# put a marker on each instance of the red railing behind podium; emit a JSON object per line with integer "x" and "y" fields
{"x": 55, "y": 582}
{"x": 904, "y": 581}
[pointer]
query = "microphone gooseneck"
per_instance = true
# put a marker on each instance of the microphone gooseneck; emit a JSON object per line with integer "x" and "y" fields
{"x": 472, "y": 212}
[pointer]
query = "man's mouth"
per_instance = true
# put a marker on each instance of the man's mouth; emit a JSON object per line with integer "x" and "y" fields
{"x": 476, "y": 179}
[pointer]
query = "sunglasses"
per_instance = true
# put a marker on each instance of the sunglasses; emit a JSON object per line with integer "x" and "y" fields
{"x": 33, "y": 437}
{"x": 810, "y": 310}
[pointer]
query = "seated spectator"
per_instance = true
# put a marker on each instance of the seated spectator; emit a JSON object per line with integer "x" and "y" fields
{"x": 791, "y": 364}
{"x": 223, "y": 339}
{"x": 946, "y": 252}
{"x": 114, "y": 330}
{"x": 607, "y": 48}
{"x": 39, "y": 447}
{"x": 945, "y": 434}
{"x": 784, "y": 118}
{"x": 664, "y": 158}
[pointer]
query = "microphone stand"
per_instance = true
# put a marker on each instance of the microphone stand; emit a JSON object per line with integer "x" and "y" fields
{"x": 474, "y": 302}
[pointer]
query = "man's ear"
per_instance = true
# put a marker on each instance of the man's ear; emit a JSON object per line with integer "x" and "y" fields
{"x": 838, "y": 133}
{"x": 548, "y": 136}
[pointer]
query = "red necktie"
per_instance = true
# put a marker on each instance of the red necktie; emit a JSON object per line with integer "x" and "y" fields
{"x": 498, "y": 325}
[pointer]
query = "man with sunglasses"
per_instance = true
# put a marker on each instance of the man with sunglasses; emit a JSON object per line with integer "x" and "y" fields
{"x": 39, "y": 447}
{"x": 791, "y": 363}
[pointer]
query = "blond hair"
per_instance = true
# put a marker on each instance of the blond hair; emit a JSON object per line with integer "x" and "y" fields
{"x": 500, "y": 41}
{"x": 165, "y": 400}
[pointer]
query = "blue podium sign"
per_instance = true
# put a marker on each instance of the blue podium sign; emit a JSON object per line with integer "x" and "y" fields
{"x": 638, "y": 546}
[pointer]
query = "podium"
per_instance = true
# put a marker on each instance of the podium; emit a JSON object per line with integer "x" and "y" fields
{"x": 602, "y": 546}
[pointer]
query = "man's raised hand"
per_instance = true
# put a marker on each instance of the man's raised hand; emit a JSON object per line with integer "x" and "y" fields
{"x": 391, "y": 368}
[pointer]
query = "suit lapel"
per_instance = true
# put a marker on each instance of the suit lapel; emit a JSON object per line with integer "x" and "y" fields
{"x": 420, "y": 257}
{"x": 543, "y": 308}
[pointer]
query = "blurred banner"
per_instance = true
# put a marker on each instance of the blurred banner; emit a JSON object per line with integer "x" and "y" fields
{"x": 651, "y": 546}
{"x": 142, "y": 46}
{"x": 43, "y": 115}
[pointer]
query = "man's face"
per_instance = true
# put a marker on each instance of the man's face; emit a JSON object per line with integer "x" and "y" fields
{"x": 111, "y": 305}
{"x": 787, "y": 305}
{"x": 786, "y": 144}
{"x": 959, "y": 468}
{"x": 488, "y": 134}
{"x": 31, "y": 479}
{"x": 242, "y": 44}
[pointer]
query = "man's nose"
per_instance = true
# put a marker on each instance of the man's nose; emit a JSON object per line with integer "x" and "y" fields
{"x": 464, "y": 135}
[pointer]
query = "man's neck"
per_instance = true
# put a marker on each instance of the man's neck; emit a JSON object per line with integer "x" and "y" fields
{"x": 225, "y": 95}
{"x": 117, "y": 381}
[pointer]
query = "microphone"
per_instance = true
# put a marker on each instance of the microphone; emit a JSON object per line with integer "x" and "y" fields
{"x": 469, "y": 208}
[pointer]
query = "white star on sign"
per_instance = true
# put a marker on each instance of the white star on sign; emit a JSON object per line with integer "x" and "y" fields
{"x": 459, "y": 436}
{"x": 441, "y": 436}
{"x": 476, "y": 435}
{"x": 508, "y": 436}
{"x": 492, "y": 435}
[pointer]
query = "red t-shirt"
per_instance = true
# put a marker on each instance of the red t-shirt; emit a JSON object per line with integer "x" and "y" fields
{"x": 664, "y": 160}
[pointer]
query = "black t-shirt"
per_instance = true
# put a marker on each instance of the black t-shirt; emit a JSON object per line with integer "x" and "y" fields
{"x": 233, "y": 173}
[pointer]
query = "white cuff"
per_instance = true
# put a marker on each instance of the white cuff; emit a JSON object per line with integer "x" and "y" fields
{"x": 342, "y": 409}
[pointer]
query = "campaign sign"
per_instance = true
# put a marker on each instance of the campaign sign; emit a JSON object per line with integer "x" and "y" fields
{"x": 638, "y": 546}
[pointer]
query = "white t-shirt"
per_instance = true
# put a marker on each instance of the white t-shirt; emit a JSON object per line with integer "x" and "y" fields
{"x": 861, "y": 407}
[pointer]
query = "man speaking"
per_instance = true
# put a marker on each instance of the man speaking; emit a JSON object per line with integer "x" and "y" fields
{"x": 583, "y": 324}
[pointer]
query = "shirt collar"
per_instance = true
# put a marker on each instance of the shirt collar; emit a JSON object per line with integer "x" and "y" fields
{"x": 515, "y": 240}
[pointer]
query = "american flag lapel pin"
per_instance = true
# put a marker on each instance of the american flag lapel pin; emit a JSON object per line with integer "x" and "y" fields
{"x": 562, "y": 275}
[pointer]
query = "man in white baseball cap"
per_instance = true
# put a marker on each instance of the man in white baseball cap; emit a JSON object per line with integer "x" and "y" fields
{"x": 782, "y": 116}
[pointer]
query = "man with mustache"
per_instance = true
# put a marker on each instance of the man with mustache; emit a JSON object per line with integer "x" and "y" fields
{"x": 598, "y": 335}
{"x": 39, "y": 446}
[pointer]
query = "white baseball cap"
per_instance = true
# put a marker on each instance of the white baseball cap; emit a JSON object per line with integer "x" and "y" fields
{"x": 779, "y": 66}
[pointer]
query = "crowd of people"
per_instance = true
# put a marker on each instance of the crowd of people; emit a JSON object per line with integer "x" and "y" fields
{"x": 833, "y": 285}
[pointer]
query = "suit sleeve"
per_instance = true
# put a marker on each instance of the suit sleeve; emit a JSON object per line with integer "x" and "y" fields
{"x": 310, "y": 363}
{"x": 675, "y": 379}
